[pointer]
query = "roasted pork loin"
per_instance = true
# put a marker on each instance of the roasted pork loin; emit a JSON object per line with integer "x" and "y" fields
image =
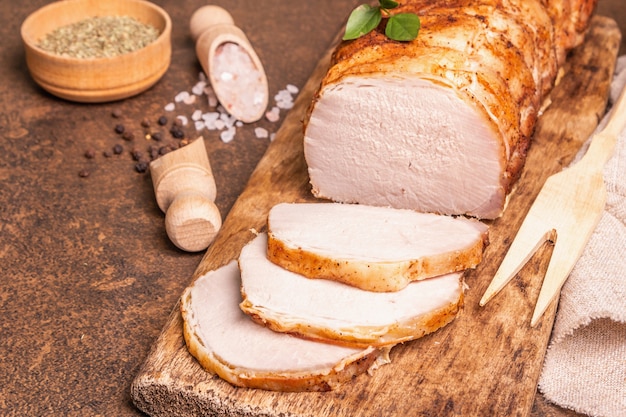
{"x": 440, "y": 124}
{"x": 372, "y": 248}
{"x": 437, "y": 125}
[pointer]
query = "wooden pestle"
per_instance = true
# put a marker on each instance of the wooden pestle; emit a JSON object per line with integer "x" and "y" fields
{"x": 210, "y": 27}
{"x": 185, "y": 191}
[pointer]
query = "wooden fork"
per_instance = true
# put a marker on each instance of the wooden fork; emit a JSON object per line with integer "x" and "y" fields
{"x": 566, "y": 211}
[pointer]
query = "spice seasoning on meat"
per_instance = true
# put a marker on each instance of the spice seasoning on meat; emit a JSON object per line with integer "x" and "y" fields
{"x": 99, "y": 37}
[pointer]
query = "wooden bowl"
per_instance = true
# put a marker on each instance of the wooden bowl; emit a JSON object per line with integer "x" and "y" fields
{"x": 93, "y": 80}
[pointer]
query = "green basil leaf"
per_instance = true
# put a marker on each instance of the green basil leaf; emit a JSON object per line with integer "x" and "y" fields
{"x": 403, "y": 27}
{"x": 362, "y": 20}
{"x": 388, "y": 4}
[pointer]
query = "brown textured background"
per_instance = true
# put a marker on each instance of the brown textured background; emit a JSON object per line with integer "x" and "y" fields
{"x": 87, "y": 274}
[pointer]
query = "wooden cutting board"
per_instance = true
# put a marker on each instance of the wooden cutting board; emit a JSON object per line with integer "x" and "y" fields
{"x": 486, "y": 363}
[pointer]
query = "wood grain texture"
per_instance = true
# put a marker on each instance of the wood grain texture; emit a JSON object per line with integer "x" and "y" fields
{"x": 487, "y": 362}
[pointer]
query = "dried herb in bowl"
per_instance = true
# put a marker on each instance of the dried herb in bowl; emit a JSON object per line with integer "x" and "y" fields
{"x": 99, "y": 37}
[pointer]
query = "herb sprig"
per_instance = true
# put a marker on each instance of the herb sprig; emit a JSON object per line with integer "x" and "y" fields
{"x": 365, "y": 18}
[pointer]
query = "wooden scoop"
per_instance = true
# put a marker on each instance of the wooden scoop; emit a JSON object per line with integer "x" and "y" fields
{"x": 245, "y": 93}
{"x": 185, "y": 191}
{"x": 566, "y": 211}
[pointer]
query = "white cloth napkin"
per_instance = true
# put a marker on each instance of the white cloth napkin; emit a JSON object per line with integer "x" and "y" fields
{"x": 585, "y": 365}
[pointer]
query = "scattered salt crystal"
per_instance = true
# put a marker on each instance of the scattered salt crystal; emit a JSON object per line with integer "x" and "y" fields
{"x": 210, "y": 116}
{"x": 219, "y": 124}
{"x": 222, "y": 120}
{"x": 198, "y": 89}
{"x": 228, "y": 119}
{"x": 285, "y": 105}
{"x": 182, "y": 96}
{"x": 190, "y": 99}
{"x": 196, "y": 115}
{"x": 210, "y": 119}
{"x": 283, "y": 95}
{"x": 261, "y": 133}
{"x": 273, "y": 115}
{"x": 284, "y": 99}
{"x": 228, "y": 135}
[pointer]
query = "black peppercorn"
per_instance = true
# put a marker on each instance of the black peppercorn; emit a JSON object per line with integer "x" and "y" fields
{"x": 128, "y": 136}
{"x": 177, "y": 132}
{"x": 90, "y": 154}
{"x": 118, "y": 149}
{"x": 83, "y": 173}
{"x": 162, "y": 120}
{"x": 141, "y": 166}
{"x": 119, "y": 129}
{"x": 164, "y": 149}
{"x": 136, "y": 154}
{"x": 158, "y": 136}
{"x": 154, "y": 152}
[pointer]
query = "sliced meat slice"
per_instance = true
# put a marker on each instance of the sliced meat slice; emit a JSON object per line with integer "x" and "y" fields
{"x": 226, "y": 342}
{"x": 328, "y": 310}
{"x": 372, "y": 248}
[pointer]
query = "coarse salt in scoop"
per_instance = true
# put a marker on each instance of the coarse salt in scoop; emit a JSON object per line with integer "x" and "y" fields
{"x": 231, "y": 64}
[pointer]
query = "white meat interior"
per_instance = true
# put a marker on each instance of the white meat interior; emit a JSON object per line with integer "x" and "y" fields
{"x": 291, "y": 298}
{"x": 405, "y": 142}
{"x": 369, "y": 233}
{"x": 232, "y": 336}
